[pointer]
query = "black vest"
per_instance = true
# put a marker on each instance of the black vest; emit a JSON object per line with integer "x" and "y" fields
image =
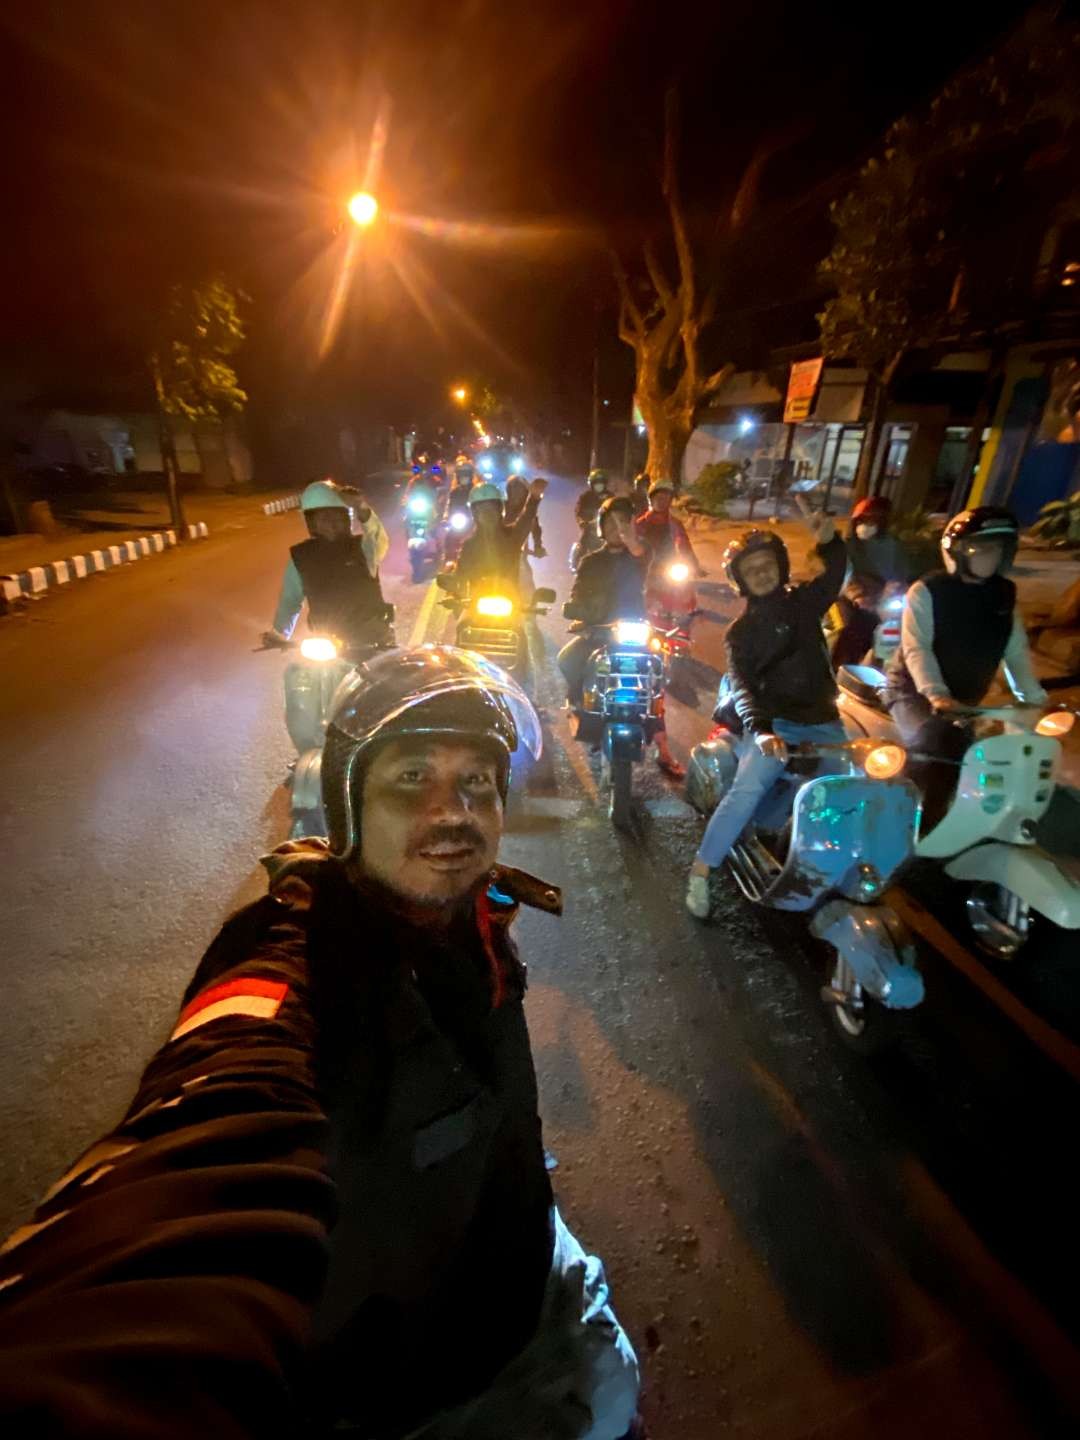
{"x": 343, "y": 597}
{"x": 972, "y": 625}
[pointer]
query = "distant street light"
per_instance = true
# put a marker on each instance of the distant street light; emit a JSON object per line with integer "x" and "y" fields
{"x": 363, "y": 208}
{"x": 460, "y": 394}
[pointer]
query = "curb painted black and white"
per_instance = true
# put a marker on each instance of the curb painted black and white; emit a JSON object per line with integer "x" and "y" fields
{"x": 78, "y": 567}
{"x": 275, "y": 507}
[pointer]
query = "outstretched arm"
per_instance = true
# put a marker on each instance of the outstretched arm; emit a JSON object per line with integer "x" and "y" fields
{"x": 164, "y": 1286}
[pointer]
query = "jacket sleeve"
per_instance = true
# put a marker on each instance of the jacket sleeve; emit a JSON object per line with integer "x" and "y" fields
{"x": 376, "y": 542}
{"x": 742, "y": 696}
{"x": 917, "y": 643}
{"x": 290, "y": 601}
{"x": 821, "y": 592}
{"x": 1019, "y": 671}
{"x": 164, "y": 1285}
{"x": 519, "y": 528}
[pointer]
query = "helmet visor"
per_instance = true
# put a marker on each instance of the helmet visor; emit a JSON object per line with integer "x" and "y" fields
{"x": 491, "y": 704}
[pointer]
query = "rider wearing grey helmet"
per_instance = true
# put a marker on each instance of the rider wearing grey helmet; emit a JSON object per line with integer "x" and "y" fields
{"x": 328, "y": 1208}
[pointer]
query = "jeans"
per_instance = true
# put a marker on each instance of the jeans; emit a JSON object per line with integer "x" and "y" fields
{"x": 754, "y": 778}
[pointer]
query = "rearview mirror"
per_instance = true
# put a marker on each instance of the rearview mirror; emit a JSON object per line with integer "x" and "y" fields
{"x": 444, "y": 580}
{"x": 544, "y": 596}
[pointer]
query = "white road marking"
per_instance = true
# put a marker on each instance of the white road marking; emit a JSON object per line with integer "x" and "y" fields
{"x": 424, "y": 615}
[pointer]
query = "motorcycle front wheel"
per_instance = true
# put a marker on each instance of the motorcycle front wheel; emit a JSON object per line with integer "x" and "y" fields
{"x": 622, "y": 791}
{"x": 864, "y": 1026}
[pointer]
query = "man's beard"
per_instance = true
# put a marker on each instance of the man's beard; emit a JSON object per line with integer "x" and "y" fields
{"x": 429, "y": 900}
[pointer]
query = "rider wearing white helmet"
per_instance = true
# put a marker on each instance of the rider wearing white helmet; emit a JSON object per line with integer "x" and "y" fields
{"x": 330, "y": 570}
{"x": 493, "y": 551}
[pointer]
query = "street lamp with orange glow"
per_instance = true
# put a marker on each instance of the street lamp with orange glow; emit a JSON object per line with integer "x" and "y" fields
{"x": 460, "y": 394}
{"x": 363, "y": 209}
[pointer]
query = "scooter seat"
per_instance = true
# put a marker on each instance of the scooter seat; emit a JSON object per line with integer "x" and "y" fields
{"x": 863, "y": 682}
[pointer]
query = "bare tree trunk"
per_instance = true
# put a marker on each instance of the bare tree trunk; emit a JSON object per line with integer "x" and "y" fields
{"x": 668, "y": 440}
{"x": 169, "y": 463}
{"x": 171, "y": 466}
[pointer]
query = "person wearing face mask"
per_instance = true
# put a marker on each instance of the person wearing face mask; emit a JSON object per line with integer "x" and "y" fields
{"x": 872, "y": 550}
{"x": 781, "y": 688}
{"x": 959, "y": 626}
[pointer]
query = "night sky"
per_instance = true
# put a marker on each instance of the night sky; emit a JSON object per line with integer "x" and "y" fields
{"x": 156, "y": 140}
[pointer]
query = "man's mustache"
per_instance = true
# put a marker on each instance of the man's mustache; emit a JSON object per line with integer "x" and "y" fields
{"x": 459, "y": 835}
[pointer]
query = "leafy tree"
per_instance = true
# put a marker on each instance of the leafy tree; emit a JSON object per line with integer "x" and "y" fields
{"x": 931, "y": 241}
{"x": 201, "y": 329}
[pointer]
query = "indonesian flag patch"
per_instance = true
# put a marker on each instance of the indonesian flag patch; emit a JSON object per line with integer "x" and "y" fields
{"x": 250, "y": 996}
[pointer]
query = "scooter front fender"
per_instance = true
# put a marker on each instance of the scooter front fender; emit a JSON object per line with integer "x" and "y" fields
{"x": 1029, "y": 872}
{"x": 307, "y": 793}
{"x": 624, "y": 742}
{"x": 877, "y": 947}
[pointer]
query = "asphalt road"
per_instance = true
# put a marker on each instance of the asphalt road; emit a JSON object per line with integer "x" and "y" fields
{"x": 800, "y": 1243}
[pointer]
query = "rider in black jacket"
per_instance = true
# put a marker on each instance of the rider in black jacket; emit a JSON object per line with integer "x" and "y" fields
{"x": 782, "y": 690}
{"x": 610, "y": 585}
{"x": 327, "y": 1207}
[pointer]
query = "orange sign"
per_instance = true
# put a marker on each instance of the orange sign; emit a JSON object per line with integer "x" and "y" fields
{"x": 802, "y": 385}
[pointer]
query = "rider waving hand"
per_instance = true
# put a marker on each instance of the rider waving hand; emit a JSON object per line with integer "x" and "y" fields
{"x": 782, "y": 690}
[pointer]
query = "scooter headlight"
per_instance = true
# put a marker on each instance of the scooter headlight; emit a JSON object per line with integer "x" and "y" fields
{"x": 419, "y": 506}
{"x": 517, "y": 465}
{"x": 679, "y": 572}
{"x": 1056, "y": 724}
{"x": 633, "y": 632}
{"x": 895, "y": 605}
{"x": 318, "y": 647}
{"x": 495, "y": 607}
{"x": 458, "y": 521}
{"x": 884, "y": 761}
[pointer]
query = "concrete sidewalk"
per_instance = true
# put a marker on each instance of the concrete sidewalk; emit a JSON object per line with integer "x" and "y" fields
{"x": 115, "y": 528}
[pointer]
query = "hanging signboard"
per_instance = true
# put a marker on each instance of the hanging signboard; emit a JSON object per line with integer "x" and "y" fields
{"x": 802, "y": 385}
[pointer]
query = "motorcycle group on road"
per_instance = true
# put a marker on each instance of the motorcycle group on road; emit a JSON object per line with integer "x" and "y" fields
{"x": 330, "y": 1195}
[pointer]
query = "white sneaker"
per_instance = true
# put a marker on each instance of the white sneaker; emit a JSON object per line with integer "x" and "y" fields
{"x": 697, "y": 897}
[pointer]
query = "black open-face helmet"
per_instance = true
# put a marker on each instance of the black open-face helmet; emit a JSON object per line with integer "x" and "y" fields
{"x": 984, "y": 522}
{"x": 431, "y": 690}
{"x": 745, "y": 544}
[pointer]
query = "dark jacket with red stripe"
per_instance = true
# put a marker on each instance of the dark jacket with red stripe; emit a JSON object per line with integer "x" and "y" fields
{"x": 339, "y": 1210}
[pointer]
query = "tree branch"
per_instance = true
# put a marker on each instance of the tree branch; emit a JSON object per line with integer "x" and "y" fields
{"x": 629, "y": 311}
{"x": 717, "y": 380}
{"x": 658, "y": 278}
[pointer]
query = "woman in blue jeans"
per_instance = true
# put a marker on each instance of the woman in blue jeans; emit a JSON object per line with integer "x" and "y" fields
{"x": 782, "y": 688}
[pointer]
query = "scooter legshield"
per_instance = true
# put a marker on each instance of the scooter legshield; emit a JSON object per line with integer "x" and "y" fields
{"x": 876, "y": 945}
{"x": 709, "y": 774}
{"x": 307, "y": 811}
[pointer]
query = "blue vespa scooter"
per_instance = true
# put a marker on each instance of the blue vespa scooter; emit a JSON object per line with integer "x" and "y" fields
{"x": 850, "y": 830}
